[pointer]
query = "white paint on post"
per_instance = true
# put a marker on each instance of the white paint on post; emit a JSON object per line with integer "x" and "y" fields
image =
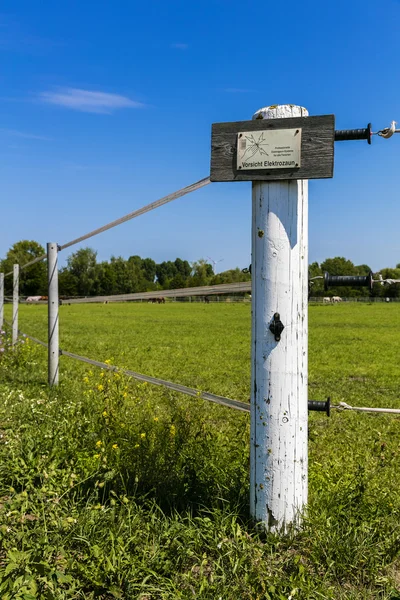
{"x": 15, "y": 304}
{"x": 1, "y": 300}
{"x": 53, "y": 302}
{"x": 279, "y": 406}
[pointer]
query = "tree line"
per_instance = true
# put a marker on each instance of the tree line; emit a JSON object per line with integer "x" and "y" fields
{"x": 83, "y": 275}
{"x": 343, "y": 266}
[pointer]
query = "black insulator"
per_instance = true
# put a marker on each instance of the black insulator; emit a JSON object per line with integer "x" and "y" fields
{"x": 349, "y": 280}
{"x": 342, "y": 135}
{"x": 320, "y": 406}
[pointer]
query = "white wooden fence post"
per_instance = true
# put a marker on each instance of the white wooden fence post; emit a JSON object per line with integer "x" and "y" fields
{"x": 1, "y": 300}
{"x": 279, "y": 415}
{"x": 53, "y": 302}
{"x": 15, "y": 304}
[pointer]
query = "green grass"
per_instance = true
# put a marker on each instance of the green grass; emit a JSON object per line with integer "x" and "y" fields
{"x": 114, "y": 489}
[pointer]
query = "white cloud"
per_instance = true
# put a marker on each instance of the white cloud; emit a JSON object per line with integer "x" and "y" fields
{"x": 180, "y": 46}
{"x": 87, "y": 101}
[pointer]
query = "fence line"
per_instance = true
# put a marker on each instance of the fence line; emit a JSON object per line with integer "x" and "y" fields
{"x": 28, "y": 264}
{"x": 183, "y": 389}
{"x": 136, "y": 213}
{"x": 205, "y": 290}
{"x": 176, "y": 387}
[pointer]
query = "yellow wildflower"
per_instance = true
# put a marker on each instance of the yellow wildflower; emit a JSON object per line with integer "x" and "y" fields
{"x": 104, "y": 413}
{"x": 125, "y": 395}
{"x": 156, "y": 419}
{"x": 100, "y": 387}
{"x": 108, "y": 361}
{"x": 86, "y": 379}
{"x": 142, "y": 435}
{"x": 172, "y": 430}
{"x": 137, "y": 445}
{"x": 90, "y": 373}
{"x": 115, "y": 446}
{"x": 96, "y": 456}
{"x": 98, "y": 444}
{"x": 102, "y": 374}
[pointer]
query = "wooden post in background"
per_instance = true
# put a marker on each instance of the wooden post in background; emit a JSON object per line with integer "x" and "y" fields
{"x": 53, "y": 304}
{"x": 278, "y": 453}
{"x": 15, "y": 304}
{"x": 1, "y": 300}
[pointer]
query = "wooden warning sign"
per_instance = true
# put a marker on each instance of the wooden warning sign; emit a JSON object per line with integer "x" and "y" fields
{"x": 273, "y": 149}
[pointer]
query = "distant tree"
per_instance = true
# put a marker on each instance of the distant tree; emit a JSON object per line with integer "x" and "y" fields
{"x": 342, "y": 266}
{"x": 82, "y": 264}
{"x": 32, "y": 280}
{"x": 148, "y": 269}
{"x": 338, "y": 266}
{"x": 123, "y": 275}
{"x": 67, "y": 283}
{"x": 165, "y": 271}
{"x": 362, "y": 269}
{"x": 136, "y": 260}
{"x": 105, "y": 283}
{"x": 316, "y": 285}
{"x": 230, "y": 276}
{"x": 177, "y": 282}
{"x": 183, "y": 267}
{"x": 393, "y": 290}
{"x": 202, "y": 273}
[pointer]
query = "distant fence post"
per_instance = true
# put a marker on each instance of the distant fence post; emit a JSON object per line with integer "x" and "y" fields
{"x": 278, "y": 452}
{"x": 15, "y": 304}
{"x": 53, "y": 303}
{"x": 1, "y": 300}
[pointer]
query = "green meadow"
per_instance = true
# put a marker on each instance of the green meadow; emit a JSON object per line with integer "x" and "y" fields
{"x": 112, "y": 488}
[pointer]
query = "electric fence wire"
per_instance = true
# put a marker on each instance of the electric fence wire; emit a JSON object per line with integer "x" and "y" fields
{"x": 183, "y": 389}
{"x": 132, "y": 215}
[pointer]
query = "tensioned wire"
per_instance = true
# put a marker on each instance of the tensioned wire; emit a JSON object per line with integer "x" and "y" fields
{"x": 176, "y": 387}
{"x": 132, "y": 215}
{"x": 183, "y": 389}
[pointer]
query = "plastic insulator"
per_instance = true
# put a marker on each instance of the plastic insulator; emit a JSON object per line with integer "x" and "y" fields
{"x": 348, "y": 280}
{"x": 320, "y": 406}
{"x": 342, "y": 135}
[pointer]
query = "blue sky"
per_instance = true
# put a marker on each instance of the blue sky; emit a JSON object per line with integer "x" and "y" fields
{"x": 106, "y": 106}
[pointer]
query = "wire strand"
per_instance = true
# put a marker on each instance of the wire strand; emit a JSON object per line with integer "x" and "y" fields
{"x": 176, "y": 387}
{"x": 136, "y": 213}
{"x": 28, "y": 264}
{"x": 205, "y": 290}
{"x": 345, "y": 406}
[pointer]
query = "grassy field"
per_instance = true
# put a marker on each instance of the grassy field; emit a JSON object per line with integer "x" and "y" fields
{"x": 116, "y": 489}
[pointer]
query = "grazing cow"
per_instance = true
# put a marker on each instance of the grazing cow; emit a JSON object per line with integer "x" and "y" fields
{"x": 161, "y": 300}
{"x": 336, "y": 299}
{"x": 206, "y": 300}
{"x": 326, "y": 300}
